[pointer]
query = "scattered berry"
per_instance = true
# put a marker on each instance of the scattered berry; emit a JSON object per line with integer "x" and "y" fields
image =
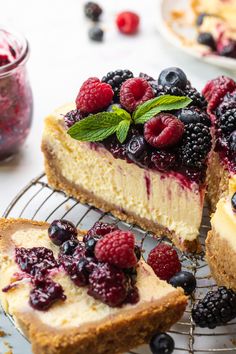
{"x": 117, "y": 248}
{"x": 115, "y": 79}
{"x": 232, "y": 141}
{"x": 108, "y": 284}
{"x": 96, "y": 34}
{"x": 185, "y": 280}
{"x": 61, "y": 230}
{"x": 94, "y": 96}
{"x": 136, "y": 147}
{"x": 163, "y": 130}
{"x": 163, "y": 160}
{"x": 193, "y": 115}
{"x": 134, "y": 92}
{"x": 173, "y": 77}
{"x": 68, "y": 247}
{"x": 128, "y": 22}
{"x": 164, "y": 261}
{"x": 72, "y": 117}
{"x": 93, "y": 11}
{"x": 207, "y": 39}
{"x": 99, "y": 229}
{"x": 215, "y": 309}
{"x": 233, "y": 202}
{"x": 162, "y": 343}
{"x": 227, "y": 120}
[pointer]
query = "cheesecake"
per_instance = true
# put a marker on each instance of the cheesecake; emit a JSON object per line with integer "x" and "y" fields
{"x": 215, "y": 21}
{"x": 126, "y": 156}
{"x": 66, "y": 298}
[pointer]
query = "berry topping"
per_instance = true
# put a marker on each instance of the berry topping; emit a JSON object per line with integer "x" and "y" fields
{"x": 72, "y": 117}
{"x": 61, "y": 230}
{"x": 206, "y": 38}
{"x": 35, "y": 261}
{"x": 161, "y": 90}
{"x": 128, "y": 22}
{"x": 96, "y": 34}
{"x": 134, "y": 92}
{"x": 68, "y": 247}
{"x": 196, "y": 145}
{"x": 193, "y": 115}
{"x": 185, "y": 280}
{"x": 92, "y": 10}
{"x": 164, "y": 261}
{"x": 138, "y": 253}
{"x": 163, "y": 130}
{"x": 45, "y": 294}
{"x": 94, "y": 96}
{"x": 163, "y": 160}
{"x": 115, "y": 79}
{"x": 232, "y": 141}
{"x": 233, "y": 202}
{"x": 136, "y": 147}
{"x": 215, "y": 309}
{"x": 227, "y": 118}
{"x": 197, "y": 98}
{"x": 162, "y": 343}
{"x": 228, "y": 50}
{"x": 117, "y": 248}
{"x": 108, "y": 284}
{"x": 173, "y": 77}
{"x": 90, "y": 245}
{"x": 99, "y": 229}
{"x": 4, "y": 59}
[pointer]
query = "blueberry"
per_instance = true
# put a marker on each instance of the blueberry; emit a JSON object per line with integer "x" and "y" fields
{"x": 61, "y": 230}
{"x": 90, "y": 245}
{"x": 233, "y": 202}
{"x": 136, "y": 147}
{"x": 173, "y": 77}
{"x": 200, "y": 19}
{"x": 68, "y": 247}
{"x": 185, "y": 280}
{"x": 162, "y": 343}
{"x": 96, "y": 34}
{"x": 132, "y": 274}
{"x": 187, "y": 115}
{"x": 232, "y": 141}
{"x": 206, "y": 38}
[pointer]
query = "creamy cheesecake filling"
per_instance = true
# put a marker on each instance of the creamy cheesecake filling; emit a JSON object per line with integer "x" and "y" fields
{"x": 79, "y": 308}
{"x": 224, "y": 221}
{"x": 159, "y": 197}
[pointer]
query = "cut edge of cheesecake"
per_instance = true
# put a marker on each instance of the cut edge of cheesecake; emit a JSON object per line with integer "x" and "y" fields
{"x": 113, "y": 334}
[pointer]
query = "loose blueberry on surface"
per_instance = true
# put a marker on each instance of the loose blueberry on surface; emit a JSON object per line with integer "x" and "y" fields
{"x": 233, "y": 202}
{"x": 162, "y": 343}
{"x": 173, "y": 77}
{"x": 96, "y": 34}
{"x": 136, "y": 147}
{"x": 185, "y": 280}
{"x": 206, "y": 38}
{"x": 68, "y": 247}
{"x": 61, "y": 230}
{"x": 232, "y": 141}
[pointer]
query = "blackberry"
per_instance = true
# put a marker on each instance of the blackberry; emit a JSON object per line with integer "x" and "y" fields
{"x": 197, "y": 98}
{"x": 116, "y": 79}
{"x": 232, "y": 142}
{"x": 193, "y": 115}
{"x": 215, "y": 309}
{"x": 227, "y": 120}
{"x": 72, "y": 117}
{"x": 161, "y": 90}
{"x": 93, "y": 11}
{"x": 195, "y": 145}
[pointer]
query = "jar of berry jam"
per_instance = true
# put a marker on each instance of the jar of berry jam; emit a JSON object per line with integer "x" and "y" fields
{"x": 16, "y": 104}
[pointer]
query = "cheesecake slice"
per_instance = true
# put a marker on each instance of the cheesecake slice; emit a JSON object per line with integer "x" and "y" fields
{"x": 74, "y": 321}
{"x": 158, "y": 186}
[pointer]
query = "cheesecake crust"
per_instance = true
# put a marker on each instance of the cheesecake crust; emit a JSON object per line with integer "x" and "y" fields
{"x": 113, "y": 335}
{"x": 221, "y": 259}
{"x": 59, "y": 182}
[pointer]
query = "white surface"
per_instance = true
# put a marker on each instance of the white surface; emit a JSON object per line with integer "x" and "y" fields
{"x": 186, "y": 29}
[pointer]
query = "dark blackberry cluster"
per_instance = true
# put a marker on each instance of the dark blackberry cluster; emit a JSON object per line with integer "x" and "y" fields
{"x": 193, "y": 115}
{"x": 92, "y": 11}
{"x": 195, "y": 145}
{"x": 215, "y": 309}
{"x": 197, "y": 98}
{"x": 72, "y": 117}
{"x": 226, "y": 114}
{"x": 161, "y": 90}
{"x": 116, "y": 79}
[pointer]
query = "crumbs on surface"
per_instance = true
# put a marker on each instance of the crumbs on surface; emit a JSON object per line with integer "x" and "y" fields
{"x": 2, "y": 333}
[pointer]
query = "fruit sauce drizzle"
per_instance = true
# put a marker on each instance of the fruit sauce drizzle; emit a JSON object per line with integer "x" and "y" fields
{"x": 105, "y": 262}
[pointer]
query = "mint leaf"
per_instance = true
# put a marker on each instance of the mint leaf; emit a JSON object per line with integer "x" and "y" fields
{"x": 122, "y": 130}
{"x": 121, "y": 112}
{"x": 176, "y": 102}
{"x": 96, "y": 127}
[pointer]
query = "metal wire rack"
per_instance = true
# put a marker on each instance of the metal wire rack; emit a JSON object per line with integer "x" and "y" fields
{"x": 37, "y": 201}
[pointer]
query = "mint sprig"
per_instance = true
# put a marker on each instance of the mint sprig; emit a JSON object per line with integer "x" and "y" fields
{"x": 99, "y": 126}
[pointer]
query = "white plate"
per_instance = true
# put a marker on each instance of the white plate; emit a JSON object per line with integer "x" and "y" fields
{"x": 181, "y": 32}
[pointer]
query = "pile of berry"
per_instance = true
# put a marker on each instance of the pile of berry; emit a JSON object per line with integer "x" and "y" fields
{"x": 177, "y": 140}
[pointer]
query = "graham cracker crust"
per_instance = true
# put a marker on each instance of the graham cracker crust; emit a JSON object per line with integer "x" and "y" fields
{"x": 59, "y": 182}
{"x": 221, "y": 259}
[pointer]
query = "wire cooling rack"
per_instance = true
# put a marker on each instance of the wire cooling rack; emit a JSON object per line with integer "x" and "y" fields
{"x": 37, "y": 201}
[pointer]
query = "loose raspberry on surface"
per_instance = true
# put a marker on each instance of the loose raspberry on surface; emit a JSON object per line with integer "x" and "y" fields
{"x": 128, "y": 22}
{"x": 163, "y": 130}
{"x": 164, "y": 261}
{"x": 94, "y": 96}
{"x": 134, "y": 92}
{"x": 117, "y": 248}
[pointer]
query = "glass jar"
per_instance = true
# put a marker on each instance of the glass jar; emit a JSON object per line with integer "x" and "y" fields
{"x": 16, "y": 104}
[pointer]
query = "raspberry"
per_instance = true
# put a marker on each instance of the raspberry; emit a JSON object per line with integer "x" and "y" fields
{"x": 94, "y": 96}
{"x": 128, "y": 22}
{"x": 108, "y": 284}
{"x": 163, "y": 130}
{"x": 134, "y": 92}
{"x": 99, "y": 229}
{"x": 216, "y": 89}
{"x": 72, "y": 117}
{"x": 117, "y": 248}
{"x": 164, "y": 261}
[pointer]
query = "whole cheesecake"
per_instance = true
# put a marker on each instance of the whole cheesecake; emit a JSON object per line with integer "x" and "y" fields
{"x": 149, "y": 166}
